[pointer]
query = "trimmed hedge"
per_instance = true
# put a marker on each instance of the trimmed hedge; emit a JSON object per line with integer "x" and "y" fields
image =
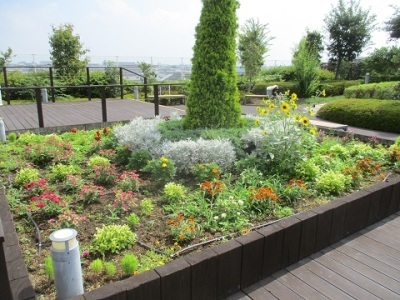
{"x": 383, "y": 90}
{"x": 332, "y": 88}
{"x": 365, "y": 113}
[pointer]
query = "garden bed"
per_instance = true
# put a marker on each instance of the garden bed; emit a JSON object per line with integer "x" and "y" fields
{"x": 222, "y": 270}
{"x": 150, "y": 196}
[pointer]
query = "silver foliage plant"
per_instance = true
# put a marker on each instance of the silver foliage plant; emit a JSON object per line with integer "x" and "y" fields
{"x": 188, "y": 153}
{"x": 140, "y": 134}
{"x": 143, "y": 134}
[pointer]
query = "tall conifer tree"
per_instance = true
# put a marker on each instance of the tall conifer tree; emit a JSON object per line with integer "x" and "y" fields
{"x": 213, "y": 100}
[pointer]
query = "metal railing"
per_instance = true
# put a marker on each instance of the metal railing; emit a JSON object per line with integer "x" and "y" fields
{"x": 39, "y": 98}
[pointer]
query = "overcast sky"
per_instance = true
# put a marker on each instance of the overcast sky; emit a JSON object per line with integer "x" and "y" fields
{"x": 135, "y": 30}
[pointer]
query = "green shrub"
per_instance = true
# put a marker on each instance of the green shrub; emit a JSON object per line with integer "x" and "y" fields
{"x": 26, "y": 175}
{"x": 112, "y": 239}
{"x": 139, "y": 159}
{"x": 383, "y": 91}
{"x": 129, "y": 264}
{"x": 133, "y": 219}
{"x": 110, "y": 269}
{"x": 369, "y": 113}
{"x": 59, "y": 172}
{"x": 332, "y": 182}
{"x": 96, "y": 265}
{"x": 96, "y": 161}
{"x": 174, "y": 192}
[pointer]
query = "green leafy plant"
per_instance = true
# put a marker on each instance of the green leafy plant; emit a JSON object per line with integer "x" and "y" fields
{"x": 146, "y": 206}
{"x": 161, "y": 169}
{"x": 332, "y": 182}
{"x": 26, "y": 175}
{"x": 129, "y": 264}
{"x": 183, "y": 229}
{"x": 96, "y": 265}
{"x": 139, "y": 159}
{"x": 59, "y": 172}
{"x": 112, "y": 239}
{"x": 48, "y": 267}
{"x": 97, "y": 161}
{"x": 110, "y": 269}
{"x": 91, "y": 193}
{"x": 204, "y": 172}
{"x": 133, "y": 219}
{"x": 174, "y": 192}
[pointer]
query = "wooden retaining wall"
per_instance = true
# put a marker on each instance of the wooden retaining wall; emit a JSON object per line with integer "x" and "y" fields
{"x": 222, "y": 270}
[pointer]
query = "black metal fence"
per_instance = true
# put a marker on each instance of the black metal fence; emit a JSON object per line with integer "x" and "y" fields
{"x": 39, "y": 97}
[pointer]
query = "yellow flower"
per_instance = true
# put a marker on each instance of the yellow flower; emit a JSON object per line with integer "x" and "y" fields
{"x": 297, "y": 118}
{"x": 265, "y": 132}
{"x": 164, "y": 159}
{"x": 294, "y": 97}
{"x": 271, "y": 106}
{"x": 313, "y": 131}
{"x": 287, "y": 93}
{"x": 164, "y": 165}
{"x": 285, "y": 106}
{"x": 293, "y": 104}
{"x": 305, "y": 121}
{"x": 323, "y": 93}
{"x": 257, "y": 122}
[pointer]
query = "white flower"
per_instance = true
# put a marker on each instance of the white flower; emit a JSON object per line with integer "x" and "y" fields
{"x": 240, "y": 202}
{"x": 223, "y": 215}
{"x": 216, "y": 218}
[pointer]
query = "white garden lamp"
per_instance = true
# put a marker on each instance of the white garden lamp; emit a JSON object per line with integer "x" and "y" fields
{"x": 66, "y": 263}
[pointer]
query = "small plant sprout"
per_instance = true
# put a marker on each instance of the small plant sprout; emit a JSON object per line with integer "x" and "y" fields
{"x": 110, "y": 269}
{"x": 48, "y": 268}
{"x": 129, "y": 264}
{"x": 96, "y": 265}
{"x": 146, "y": 206}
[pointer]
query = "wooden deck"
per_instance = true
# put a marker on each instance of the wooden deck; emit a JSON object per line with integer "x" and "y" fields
{"x": 59, "y": 114}
{"x": 365, "y": 265}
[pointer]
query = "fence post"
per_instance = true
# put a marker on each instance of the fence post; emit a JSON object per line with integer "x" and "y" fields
{"x": 103, "y": 104}
{"x": 6, "y": 85}
{"x": 1, "y": 98}
{"x": 136, "y": 92}
{"x": 38, "y": 96}
{"x": 88, "y": 83}
{"x": 53, "y": 97}
{"x": 121, "y": 82}
{"x": 145, "y": 88}
{"x": 156, "y": 104}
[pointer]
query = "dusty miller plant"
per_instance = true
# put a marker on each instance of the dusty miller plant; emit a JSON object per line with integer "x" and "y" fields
{"x": 188, "y": 153}
{"x": 140, "y": 134}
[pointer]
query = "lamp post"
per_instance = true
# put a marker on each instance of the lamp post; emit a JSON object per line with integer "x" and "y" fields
{"x": 66, "y": 263}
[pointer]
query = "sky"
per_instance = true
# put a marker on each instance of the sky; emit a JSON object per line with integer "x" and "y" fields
{"x": 160, "y": 31}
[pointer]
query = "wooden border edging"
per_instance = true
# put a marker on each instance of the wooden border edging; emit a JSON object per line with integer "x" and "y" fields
{"x": 222, "y": 270}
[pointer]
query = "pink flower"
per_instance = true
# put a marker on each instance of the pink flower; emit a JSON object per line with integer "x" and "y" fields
{"x": 85, "y": 253}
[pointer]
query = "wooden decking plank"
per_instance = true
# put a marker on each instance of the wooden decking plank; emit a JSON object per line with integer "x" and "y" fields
{"x": 391, "y": 287}
{"x": 238, "y": 296}
{"x": 386, "y": 237}
{"x": 361, "y": 280}
{"x": 381, "y": 247}
{"x": 329, "y": 290}
{"x": 298, "y": 286}
{"x": 365, "y": 264}
{"x": 255, "y": 291}
{"x": 278, "y": 289}
{"x": 382, "y": 262}
{"x": 338, "y": 281}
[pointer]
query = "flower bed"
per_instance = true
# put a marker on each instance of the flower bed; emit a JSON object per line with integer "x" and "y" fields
{"x": 150, "y": 189}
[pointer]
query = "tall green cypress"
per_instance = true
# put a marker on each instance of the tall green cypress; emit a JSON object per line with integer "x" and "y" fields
{"x": 213, "y": 100}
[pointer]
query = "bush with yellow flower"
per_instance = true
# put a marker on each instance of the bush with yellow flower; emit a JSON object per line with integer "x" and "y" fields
{"x": 282, "y": 134}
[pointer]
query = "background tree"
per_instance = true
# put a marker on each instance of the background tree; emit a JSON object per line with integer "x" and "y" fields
{"x": 66, "y": 51}
{"x": 147, "y": 71}
{"x": 350, "y": 28}
{"x": 306, "y": 64}
{"x": 314, "y": 42}
{"x": 385, "y": 61}
{"x": 213, "y": 99}
{"x": 5, "y": 58}
{"x": 253, "y": 43}
{"x": 393, "y": 25}
{"x": 111, "y": 74}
